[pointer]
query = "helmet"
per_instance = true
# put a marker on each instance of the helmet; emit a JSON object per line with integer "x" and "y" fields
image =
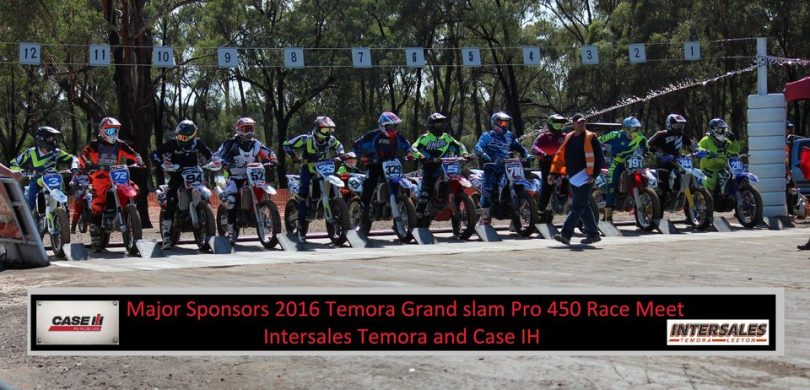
{"x": 717, "y": 130}
{"x": 324, "y": 127}
{"x": 676, "y": 123}
{"x": 350, "y": 160}
{"x": 46, "y": 138}
{"x": 631, "y": 123}
{"x": 556, "y": 123}
{"x": 185, "y": 132}
{"x": 389, "y": 121}
{"x": 108, "y": 129}
{"x": 436, "y": 123}
{"x": 500, "y": 121}
{"x": 245, "y": 128}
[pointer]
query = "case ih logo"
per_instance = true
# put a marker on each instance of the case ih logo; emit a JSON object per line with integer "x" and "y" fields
{"x": 76, "y": 324}
{"x": 718, "y": 332}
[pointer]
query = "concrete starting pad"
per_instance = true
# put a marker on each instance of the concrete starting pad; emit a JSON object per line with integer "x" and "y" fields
{"x": 220, "y": 245}
{"x": 608, "y": 229}
{"x": 722, "y": 225}
{"x": 148, "y": 248}
{"x": 486, "y": 233}
{"x": 665, "y": 226}
{"x": 357, "y": 240}
{"x": 423, "y": 236}
{"x": 546, "y": 230}
{"x": 75, "y": 251}
{"x": 289, "y": 242}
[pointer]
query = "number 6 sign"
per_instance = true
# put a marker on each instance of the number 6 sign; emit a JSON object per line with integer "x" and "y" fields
{"x": 415, "y": 57}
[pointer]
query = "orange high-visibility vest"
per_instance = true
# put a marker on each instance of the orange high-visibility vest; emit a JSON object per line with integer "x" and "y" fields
{"x": 558, "y": 164}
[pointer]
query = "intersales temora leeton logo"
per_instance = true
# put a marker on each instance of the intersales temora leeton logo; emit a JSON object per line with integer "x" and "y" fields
{"x": 718, "y": 332}
{"x": 76, "y": 323}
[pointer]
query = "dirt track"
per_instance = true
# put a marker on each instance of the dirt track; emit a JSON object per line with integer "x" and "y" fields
{"x": 742, "y": 259}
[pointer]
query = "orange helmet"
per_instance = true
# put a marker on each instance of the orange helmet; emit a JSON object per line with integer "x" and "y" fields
{"x": 108, "y": 129}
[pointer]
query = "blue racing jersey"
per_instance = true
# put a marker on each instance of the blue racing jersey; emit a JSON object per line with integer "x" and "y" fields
{"x": 495, "y": 146}
{"x": 380, "y": 147}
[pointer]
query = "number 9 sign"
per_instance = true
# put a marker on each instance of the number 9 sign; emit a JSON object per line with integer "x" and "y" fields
{"x": 227, "y": 57}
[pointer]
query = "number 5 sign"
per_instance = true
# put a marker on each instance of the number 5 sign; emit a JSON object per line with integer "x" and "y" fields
{"x": 471, "y": 56}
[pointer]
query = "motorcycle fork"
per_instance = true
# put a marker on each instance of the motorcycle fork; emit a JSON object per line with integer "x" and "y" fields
{"x": 392, "y": 198}
{"x": 192, "y": 207}
{"x": 119, "y": 210}
{"x": 686, "y": 182}
{"x": 326, "y": 189}
{"x": 257, "y": 213}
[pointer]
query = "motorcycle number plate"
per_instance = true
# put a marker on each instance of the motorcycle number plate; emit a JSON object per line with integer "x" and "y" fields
{"x": 120, "y": 175}
{"x": 255, "y": 175}
{"x": 192, "y": 177}
{"x": 514, "y": 169}
{"x": 355, "y": 184}
{"x": 685, "y": 162}
{"x": 392, "y": 169}
{"x": 52, "y": 180}
{"x": 736, "y": 166}
{"x": 452, "y": 168}
{"x": 82, "y": 180}
{"x": 325, "y": 168}
{"x": 635, "y": 163}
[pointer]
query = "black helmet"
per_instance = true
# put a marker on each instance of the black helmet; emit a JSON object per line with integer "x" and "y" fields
{"x": 185, "y": 132}
{"x": 46, "y": 138}
{"x": 436, "y": 123}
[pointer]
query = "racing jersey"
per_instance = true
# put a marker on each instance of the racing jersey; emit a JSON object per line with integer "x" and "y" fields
{"x": 310, "y": 151}
{"x": 497, "y": 146}
{"x": 664, "y": 142}
{"x": 238, "y": 159}
{"x": 380, "y": 146}
{"x": 431, "y": 146}
{"x": 621, "y": 145}
{"x": 33, "y": 161}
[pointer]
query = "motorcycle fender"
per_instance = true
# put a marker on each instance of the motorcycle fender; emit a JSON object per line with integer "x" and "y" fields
{"x": 464, "y": 182}
{"x": 127, "y": 190}
{"x": 538, "y": 174}
{"x": 652, "y": 180}
{"x": 524, "y": 183}
{"x": 403, "y": 183}
{"x": 203, "y": 192}
{"x": 267, "y": 188}
{"x": 750, "y": 176}
{"x": 336, "y": 181}
{"x": 59, "y": 196}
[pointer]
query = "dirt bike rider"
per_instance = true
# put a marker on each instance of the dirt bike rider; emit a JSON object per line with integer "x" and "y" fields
{"x": 237, "y": 152}
{"x": 45, "y": 155}
{"x": 434, "y": 144}
{"x": 667, "y": 144}
{"x": 493, "y": 147}
{"x": 185, "y": 150}
{"x": 381, "y": 144}
{"x": 99, "y": 155}
{"x": 719, "y": 146}
{"x": 621, "y": 144}
{"x": 544, "y": 149}
{"x": 316, "y": 146}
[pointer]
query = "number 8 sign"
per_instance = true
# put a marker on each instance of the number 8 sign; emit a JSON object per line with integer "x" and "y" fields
{"x": 294, "y": 57}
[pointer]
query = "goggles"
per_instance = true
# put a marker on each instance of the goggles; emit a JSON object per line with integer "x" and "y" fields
{"x": 391, "y": 127}
{"x": 185, "y": 138}
{"x": 503, "y": 123}
{"x": 111, "y": 130}
{"x": 247, "y": 128}
{"x": 325, "y": 130}
{"x": 678, "y": 125}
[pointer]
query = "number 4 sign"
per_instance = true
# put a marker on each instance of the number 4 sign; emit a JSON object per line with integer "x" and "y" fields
{"x": 531, "y": 55}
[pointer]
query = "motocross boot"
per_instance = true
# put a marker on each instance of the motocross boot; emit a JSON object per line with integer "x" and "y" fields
{"x": 73, "y": 227}
{"x": 232, "y": 233}
{"x": 95, "y": 237}
{"x": 486, "y": 219}
{"x": 166, "y": 226}
{"x": 609, "y": 214}
{"x": 302, "y": 232}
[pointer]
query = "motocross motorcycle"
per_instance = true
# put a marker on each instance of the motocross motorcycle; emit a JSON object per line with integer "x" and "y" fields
{"x": 254, "y": 207}
{"x": 735, "y": 192}
{"x": 325, "y": 201}
{"x": 194, "y": 213}
{"x": 449, "y": 199}
{"x": 514, "y": 198}
{"x": 50, "y": 211}
{"x": 120, "y": 213}
{"x": 636, "y": 192}
{"x": 391, "y": 200}
{"x": 688, "y": 193}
